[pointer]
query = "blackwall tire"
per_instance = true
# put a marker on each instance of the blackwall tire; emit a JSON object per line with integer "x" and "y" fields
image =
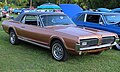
{"x": 13, "y": 38}
{"x": 117, "y": 47}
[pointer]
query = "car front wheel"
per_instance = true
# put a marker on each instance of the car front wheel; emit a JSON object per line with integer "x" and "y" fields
{"x": 117, "y": 46}
{"x": 59, "y": 52}
{"x": 13, "y": 38}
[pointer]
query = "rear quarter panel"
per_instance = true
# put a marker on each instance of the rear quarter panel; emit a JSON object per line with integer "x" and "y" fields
{"x": 7, "y": 24}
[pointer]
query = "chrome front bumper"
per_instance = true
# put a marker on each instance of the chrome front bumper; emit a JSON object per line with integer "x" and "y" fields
{"x": 94, "y": 47}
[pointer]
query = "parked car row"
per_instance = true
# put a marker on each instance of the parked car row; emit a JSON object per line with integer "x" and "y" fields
{"x": 3, "y": 13}
{"x": 48, "y": 7}
{"x": 115, "y": 10}
{"x": 99, "y": 20}
{"x": 76, "y": 33}
{"x": 57, "y": 32}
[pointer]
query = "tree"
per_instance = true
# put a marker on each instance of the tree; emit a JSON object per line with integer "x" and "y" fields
{"x": 5, "y": 2}
{"x": 83, "y": 3}
{"x": 2, "y": 4}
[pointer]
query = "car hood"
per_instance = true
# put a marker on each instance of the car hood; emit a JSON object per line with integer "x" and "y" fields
{"x": 105, "y": 27}
{"x": 79, "y": 31}
{"x": 113, "y": 28}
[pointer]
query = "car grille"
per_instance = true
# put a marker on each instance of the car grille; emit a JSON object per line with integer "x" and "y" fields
{"x": 108, "y": 40}
{"x": 90, "y": 42}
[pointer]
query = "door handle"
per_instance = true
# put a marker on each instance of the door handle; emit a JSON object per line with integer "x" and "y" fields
{"x": 22, "y": 26}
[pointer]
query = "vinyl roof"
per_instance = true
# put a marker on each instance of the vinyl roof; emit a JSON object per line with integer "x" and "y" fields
{"x": 37, "y": 13}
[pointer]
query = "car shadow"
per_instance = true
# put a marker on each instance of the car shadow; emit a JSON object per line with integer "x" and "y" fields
{"x": 33, "y": 47}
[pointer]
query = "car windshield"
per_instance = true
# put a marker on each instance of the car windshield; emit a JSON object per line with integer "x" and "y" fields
{"x": 50, "y": 20}
{"x": 112, "y": 19}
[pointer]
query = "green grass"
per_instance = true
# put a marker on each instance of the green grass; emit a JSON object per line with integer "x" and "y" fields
{"x": 26, "y": 57}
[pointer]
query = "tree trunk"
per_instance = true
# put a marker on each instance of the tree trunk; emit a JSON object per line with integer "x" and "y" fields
{"x": 68, "y": 1}
{"x": 30, "y": 3}
{"x": 57, "y": 1}
{"x": 5, "y": 2}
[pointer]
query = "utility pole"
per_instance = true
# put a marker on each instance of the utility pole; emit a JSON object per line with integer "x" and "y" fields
{"x": 30, "y": 3}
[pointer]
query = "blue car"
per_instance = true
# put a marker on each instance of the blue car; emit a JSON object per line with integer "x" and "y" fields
{"x": 17, "y": 11}
{"x": 27, "y": 10}
{"x": 116, "y": 10}
{"x": 99, "y": 20}
{"x": 103, "y": 10}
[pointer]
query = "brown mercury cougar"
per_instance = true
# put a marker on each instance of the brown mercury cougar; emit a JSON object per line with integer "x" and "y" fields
{"x": 58, "y": 33}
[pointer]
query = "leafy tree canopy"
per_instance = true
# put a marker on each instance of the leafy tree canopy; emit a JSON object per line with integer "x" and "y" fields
{"x": 83, "y": 3}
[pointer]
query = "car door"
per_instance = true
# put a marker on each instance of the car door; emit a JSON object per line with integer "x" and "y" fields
{"x": 32, "y": 30}
{"x": 92, "y": 21}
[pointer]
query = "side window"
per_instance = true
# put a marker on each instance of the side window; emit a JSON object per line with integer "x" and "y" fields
{"x": 93, "y": 18}
{"x": 81, "y": 17}
{"x": 30, "y": 20}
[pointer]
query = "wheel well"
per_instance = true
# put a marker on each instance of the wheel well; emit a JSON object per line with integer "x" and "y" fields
{"x": 10, "y": 29}
{"x": 54, "y": 39}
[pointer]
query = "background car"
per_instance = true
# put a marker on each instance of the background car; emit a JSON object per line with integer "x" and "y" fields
{"x": 17, "y": 11}
{"x": 4, "y": 13}
{"x": 28, "y": 10}
{"x": 25, "y": 10}
{"x": 99, "y": 20}
{"x": 71, "y": 9}
{"x": 11, "y": 10}
{"x": 57, "y": 32}
{"x": 48, "y": 7}
{"x": 103, "y": 10}
{"x": 116, "y": 10}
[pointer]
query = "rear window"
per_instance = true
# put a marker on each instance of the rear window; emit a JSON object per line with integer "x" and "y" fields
{"x": 31, "y": 18}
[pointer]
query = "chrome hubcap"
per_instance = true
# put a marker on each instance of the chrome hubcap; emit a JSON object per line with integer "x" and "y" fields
{"x": 57, "y": 51}
{"x": 12, "y": 38}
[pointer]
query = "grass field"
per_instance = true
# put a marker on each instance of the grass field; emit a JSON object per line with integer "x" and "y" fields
{"x": 26, "y": 57}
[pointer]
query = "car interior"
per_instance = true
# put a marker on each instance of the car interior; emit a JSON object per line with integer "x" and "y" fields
{"x": 30, "y": 20}
{"x": 93, "y": 18}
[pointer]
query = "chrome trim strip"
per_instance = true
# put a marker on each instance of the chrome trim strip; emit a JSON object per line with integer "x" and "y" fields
{"x": 115, "y": 43}
{"x": 85, "y": 17}
{"x": 34, "y": 43}
{"x": 96, "y": 47}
